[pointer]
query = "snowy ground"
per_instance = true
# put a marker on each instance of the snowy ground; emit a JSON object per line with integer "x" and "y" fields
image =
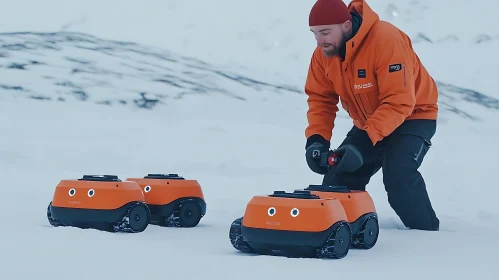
{"x": 46, "y": 142}
{"x": 235, "y": 147}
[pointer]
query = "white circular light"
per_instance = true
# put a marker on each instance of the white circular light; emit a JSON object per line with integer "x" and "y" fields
{"x": 271, "y": 211}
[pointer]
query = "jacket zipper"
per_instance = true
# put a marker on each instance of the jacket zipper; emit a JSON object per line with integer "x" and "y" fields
{"x": 425, "y": 142}
{"x": 405, "y": 82}
{"x": 343, "y": 78}
{"x": 419, "y": 152}
{"x": 352, "y": 95}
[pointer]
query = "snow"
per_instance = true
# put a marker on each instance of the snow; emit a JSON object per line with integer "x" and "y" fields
{"x": 237, "y": 138}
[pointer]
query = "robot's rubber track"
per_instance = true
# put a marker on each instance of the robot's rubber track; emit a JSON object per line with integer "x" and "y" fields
{"x": 236, "y": 237}
{"x": 359, "y": 240}
{"x": 53, "y": 222}
{"x": 174, "y": 219}
{"x": 124, "y": 224}
{"x": 338, "y": 244}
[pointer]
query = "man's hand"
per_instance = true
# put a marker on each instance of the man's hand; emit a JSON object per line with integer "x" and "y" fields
{"x": 350, "y": 158}
{"x": 313, "y": 155}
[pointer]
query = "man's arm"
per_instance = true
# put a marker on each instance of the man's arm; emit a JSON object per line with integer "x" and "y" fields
{"x": 394, "y": 69}
{"x": 322, "y": 103}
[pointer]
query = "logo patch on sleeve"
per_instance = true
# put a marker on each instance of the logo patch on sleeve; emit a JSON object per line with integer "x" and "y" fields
{"x": 395, "y": 67}
{"x": 361, "y": 73}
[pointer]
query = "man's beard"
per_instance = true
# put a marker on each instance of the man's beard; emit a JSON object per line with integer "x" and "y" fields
{"x": 331, "y": 53}
{"x": 336, "y": 49}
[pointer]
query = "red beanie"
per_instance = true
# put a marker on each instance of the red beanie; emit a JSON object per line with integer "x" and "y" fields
{"x": 326, "y": 12}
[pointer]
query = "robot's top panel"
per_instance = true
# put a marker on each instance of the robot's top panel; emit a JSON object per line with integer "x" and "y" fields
{"x": 296, "y": 194}
{"x": 100, "y": 178}
{"x": 164, "y": 176}
{"x": 327, "y": 188}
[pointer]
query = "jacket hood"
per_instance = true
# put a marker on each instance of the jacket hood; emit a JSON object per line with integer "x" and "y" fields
{"x": 369, "y": 18}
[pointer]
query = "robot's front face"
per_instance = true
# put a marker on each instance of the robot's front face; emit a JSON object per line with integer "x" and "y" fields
{"x": 72, "y": 192}
{"x": 272, "y": 211}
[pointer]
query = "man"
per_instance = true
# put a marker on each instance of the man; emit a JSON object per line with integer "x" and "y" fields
{"x": 369, "y": 65}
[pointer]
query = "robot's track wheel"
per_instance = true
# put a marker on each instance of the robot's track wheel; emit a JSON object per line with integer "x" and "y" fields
{"x": 236, "y": 237}
{"x": 368, "y": 234}
{"x": 52, "y": 221}
{"x": 187, "y": 214}
{"x": 136, "y": 219}
{"x": 338, "y": 243}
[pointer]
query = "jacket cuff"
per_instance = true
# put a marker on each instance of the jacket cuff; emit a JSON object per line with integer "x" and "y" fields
{"x": 317, "y": 138}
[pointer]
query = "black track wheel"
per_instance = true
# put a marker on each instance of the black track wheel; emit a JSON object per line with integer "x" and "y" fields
{"x": 338, "y": 243}
{"x": 368, "y": 234}
{"x": 236, "y": 237}
{"x": 139, "y": 217}
{"x": 189, "y": 214}
{"x": 49, "y": 217}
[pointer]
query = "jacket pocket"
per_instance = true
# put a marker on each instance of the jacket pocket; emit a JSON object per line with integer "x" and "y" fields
{"x": 369, "y": 101}
{"x": 423, "y": 149}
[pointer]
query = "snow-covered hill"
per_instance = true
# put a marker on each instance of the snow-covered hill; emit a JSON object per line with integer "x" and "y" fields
{"x": 72, "y": 66}
{"x": 68, "y": 66}
{"x": 79, "y": 82}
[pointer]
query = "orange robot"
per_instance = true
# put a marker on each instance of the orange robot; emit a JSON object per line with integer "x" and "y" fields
{"x": 298, "y": 223}
{"x": 360, "y": 211}
{"x": 358, "y": 205}
{"x": 101, "y": 202}
{"x": 173, "y": 200}
{"x": 318, "y": 221}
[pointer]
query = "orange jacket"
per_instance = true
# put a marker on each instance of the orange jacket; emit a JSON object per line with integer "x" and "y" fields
{"x": 380, "y": 83}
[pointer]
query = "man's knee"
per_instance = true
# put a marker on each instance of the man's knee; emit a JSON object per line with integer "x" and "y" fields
{"x": 404, "y": 154}
{"x": 415, "y": 211}
{"x": 407, "y": 195}
{"x": 401, "y": 176}
{"x": 405, "y": 185}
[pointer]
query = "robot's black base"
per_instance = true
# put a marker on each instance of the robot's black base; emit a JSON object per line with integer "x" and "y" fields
{"x": 131, "y": 217}
{"x": 334, "y": 242}
{"x": 183, "y": 212}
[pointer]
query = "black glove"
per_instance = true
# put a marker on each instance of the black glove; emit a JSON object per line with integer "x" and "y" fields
{"x": 316, "y": 146}
{"x": 350, "y": 159}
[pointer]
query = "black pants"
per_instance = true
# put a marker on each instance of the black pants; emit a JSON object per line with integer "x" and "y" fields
{"x": 399, "y": 156}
